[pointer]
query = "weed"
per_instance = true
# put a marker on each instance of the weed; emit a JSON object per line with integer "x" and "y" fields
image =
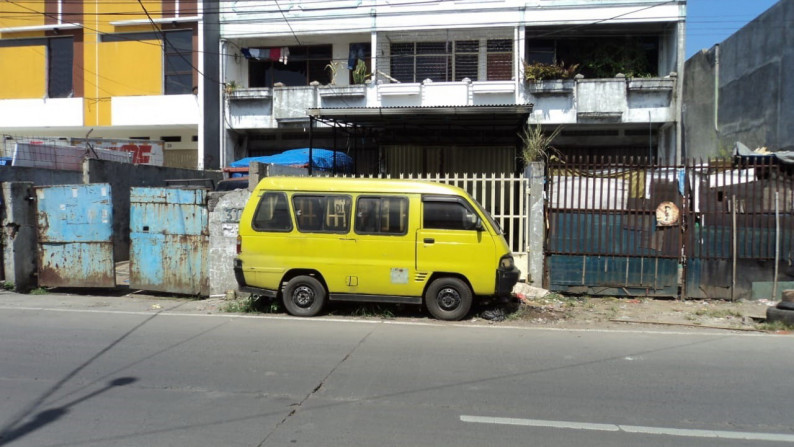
{"x": 253, "y": 304}
{"x": 8, "y": 285}
{"x": 775, "y": 326}
{"x": 373, "y": 311}
{"x": 39, "y": 291}
{"x": 718, "y": 313}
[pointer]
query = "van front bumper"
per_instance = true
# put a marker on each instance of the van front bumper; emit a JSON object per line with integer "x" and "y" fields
{"x": 505, "y": 280}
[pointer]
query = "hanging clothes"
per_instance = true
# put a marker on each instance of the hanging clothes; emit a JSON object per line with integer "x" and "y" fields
{"x": 267, "y": 54}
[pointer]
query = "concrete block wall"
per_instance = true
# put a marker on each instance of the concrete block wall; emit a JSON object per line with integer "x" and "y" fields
{"x": 225, "y": 209}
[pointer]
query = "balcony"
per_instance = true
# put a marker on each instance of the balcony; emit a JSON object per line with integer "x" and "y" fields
{"x": 47, "y": 112}
{"x": 605, "y": 100}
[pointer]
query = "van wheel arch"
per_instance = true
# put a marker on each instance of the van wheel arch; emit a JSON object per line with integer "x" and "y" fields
{"x": 301, "y": 272}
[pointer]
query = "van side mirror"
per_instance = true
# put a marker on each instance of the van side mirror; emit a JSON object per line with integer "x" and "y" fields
{"x": 478, "y": 225}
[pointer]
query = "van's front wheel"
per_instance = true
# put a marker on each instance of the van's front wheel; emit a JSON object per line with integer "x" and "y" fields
{"x": 304, "y": 296}
{"x": 448, "y": 299}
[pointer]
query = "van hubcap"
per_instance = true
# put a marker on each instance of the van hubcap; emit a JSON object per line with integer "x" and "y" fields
{"x": 303, "y": 296}
{"x": 448, "y": 299}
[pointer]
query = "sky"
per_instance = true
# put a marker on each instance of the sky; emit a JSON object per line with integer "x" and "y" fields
{"x": 709, "y": 22}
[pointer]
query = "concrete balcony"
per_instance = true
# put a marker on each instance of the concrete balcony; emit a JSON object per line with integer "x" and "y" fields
{"x": 602, "y": 101}
{"x": 46, "y": 112}
{"x": 155, "y": 110}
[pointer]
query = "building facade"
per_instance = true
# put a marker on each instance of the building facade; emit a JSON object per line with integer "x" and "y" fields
{"x": 122, "y": 70}
{"x": 741, "y": 90}
{"x": 448, "y": 86}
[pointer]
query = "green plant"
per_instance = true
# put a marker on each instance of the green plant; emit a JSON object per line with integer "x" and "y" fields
{"x": 8, "y": 285}
{"x": 607, "y": 59}
{"x": 536, "y": 145}
{"x": 39, "y": 291}
{"x": 539, "y": 71}
{"x": 230, "y": 86}
{"x": 334, "y": 67}
{"x": 373, "y": 310}
{"x": 360, "y": 74}
{"x": 775, "y": 326}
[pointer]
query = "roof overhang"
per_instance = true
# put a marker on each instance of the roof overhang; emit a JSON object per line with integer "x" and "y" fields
{"x": 484, "y": 117}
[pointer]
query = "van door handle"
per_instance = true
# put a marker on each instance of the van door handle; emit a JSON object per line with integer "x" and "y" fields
{"x": 430, "y": 240}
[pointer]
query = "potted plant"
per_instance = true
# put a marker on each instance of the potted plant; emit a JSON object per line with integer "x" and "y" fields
{"x": 360, "y": 74}
{"x": 230, "y": 86}
{"x": 550, "y": 78}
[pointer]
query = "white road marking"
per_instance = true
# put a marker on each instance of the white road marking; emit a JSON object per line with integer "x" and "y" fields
{"x": 665, "y": 431}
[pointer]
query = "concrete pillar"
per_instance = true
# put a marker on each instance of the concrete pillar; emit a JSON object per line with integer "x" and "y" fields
{"x": 537, "y": 229}
{"x": 225, "y": 209}
{"x": 19, "y": 235}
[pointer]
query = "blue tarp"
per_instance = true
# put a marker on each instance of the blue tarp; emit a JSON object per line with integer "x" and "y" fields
{"x": 322, "y": 160}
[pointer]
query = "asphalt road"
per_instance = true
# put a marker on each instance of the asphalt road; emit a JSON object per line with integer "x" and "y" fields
{"x": 110, "y": 377}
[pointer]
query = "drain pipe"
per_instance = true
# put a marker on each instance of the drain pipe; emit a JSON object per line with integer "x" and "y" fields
{"x": 716, "y": 89}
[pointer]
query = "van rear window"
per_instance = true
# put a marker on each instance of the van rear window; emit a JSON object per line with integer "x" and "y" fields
{"x": 272, "y": 213}
{"x": 322, "y": 213}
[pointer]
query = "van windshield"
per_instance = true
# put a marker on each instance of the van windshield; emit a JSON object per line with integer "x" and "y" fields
{"x": 487, "y": 215}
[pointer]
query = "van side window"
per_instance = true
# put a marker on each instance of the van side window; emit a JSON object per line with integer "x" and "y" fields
{"x": 448, "y": 215}
{"x": 322, "y": 213}
{"x": 381, "y": 215}
{"x": 272, "y": 213}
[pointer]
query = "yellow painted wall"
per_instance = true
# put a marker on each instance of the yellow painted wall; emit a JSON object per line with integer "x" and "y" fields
{"x": 13, "y": 15}
{"x": 23, "y": 71}
{"x": 118, "y": 68}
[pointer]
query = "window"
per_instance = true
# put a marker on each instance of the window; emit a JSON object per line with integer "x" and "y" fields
{"x": 60, "y": 55}
{"x": 451, "y": 61}
{"x": 448, "y": 215}
{"x": 500, "y": 60}
{"x": 303, "y": 65}
{"x": 382, "y": 215}
{"x": 599, "y": 56}
{"x": 272, "y": 213}
{"x": 178, "y": 66}
{"x": 322, "y": 214}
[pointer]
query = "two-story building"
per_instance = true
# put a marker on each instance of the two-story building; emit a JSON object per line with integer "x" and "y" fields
{"x": 447, "y": 86}
{"x": 122, "y": 70}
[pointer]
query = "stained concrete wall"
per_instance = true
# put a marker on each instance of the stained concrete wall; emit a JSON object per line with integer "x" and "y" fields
{"x": 753, "y": 69}
{"x": 225, "y": 209}
{"x": 123, "y": 176}
{"x": 39, "y": 176}
{"x": 19, "y": 235}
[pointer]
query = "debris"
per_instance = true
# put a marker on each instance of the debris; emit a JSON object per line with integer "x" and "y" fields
{"x": 524, "y": 292}
{"x": 496, "y": 314}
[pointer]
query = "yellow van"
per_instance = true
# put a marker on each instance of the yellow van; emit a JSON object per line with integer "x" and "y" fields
{"x": 310, "y": 240}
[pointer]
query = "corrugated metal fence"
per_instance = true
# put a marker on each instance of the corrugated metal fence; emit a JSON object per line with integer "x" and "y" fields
{"x": 636, "y": 226}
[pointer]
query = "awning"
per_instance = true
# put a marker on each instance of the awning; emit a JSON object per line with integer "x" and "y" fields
{"x": 484, "y": 117}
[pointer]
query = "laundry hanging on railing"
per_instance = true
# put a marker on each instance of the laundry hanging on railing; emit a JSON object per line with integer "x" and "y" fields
{"x": 267, "y": 54}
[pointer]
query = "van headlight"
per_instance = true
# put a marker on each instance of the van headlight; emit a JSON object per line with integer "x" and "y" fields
{"x": 506, "y": 263}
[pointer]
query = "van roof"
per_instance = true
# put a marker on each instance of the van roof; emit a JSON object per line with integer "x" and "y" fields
{"x": 368, "y": 185}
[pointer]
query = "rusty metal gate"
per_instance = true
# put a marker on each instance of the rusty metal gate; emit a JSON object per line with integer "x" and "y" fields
{"x": 169, "y": 240}
{"x": 75, "y": 245}
{"x": 603, "y": 235}
{"x": 740, "y": 222}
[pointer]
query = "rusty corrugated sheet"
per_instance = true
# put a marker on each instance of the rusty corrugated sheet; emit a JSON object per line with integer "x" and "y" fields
{"x": 75, "y": 247}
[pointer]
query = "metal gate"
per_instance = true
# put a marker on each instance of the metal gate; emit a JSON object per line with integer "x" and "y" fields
{"x": 603, "y": 235}
{"x": 75, "y": 245}
{"x": 169, "y": 240}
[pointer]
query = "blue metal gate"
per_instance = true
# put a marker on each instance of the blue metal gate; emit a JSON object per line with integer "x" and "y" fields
{"x": 75, "y": 245}
{"x": 169, "y": 240}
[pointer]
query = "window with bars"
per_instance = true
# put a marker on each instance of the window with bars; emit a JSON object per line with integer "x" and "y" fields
{"x": 451, "y": 61}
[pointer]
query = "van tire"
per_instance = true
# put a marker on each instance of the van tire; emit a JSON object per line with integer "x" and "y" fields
{"x": 448, "y": 299}
{"x": 304, "y": 296}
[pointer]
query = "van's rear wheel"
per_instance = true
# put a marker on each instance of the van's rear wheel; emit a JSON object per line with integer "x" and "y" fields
{"x": 448, "y": 299}
{"x": 304, "y": 296}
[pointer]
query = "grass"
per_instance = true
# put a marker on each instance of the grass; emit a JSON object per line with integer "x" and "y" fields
{"x": 39, "y": 291}
{"x": 775, "y": 326}
{"x": 373, "y": 311}
{"x": 8, "y": 285}
{"x": 718, "y": 313}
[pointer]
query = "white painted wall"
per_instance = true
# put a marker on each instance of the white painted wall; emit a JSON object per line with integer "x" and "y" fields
{"x": 155, "y": 110}
{"x": 49, "y": 112}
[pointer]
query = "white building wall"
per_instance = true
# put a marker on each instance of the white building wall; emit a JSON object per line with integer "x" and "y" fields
{"x": 48, "y": 112}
